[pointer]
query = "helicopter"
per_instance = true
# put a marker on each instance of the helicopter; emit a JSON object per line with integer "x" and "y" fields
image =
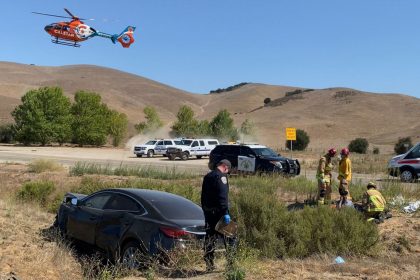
{"x": 75, "y": 31}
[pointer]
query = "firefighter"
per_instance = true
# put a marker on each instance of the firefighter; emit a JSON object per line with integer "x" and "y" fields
{"x": 373, "y": 203}
{"x": 344, "y": 176}
{"x": 215, "y": 204}
{"x": 324, "y": 177}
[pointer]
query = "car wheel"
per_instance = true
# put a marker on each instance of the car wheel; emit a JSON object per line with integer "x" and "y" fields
{"x": 199, "y": 157}
{"x": 138, "y": 155}
{"x": 150, "y": 153}
{"x": 184, "y": 156}
{"x": 407, "y": 176}
{"x": 171, "y": 157}
{"x": 131, "y": 255}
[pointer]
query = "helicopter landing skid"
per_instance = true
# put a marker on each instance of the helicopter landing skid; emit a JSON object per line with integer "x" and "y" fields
{"x": 65, "y": 43}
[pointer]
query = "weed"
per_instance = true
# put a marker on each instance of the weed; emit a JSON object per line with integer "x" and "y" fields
{"x": 42, "y": 165}
{"x": 36, "y": 191}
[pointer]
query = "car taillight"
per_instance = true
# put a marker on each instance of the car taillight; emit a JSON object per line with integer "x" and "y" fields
{"x": 173, "y": 232}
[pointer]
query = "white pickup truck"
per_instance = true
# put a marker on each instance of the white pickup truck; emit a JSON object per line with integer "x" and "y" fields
{"x": 192, "y": 147}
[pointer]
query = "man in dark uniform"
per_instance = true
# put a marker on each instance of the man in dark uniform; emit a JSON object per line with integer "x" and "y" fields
{"x": 215, "y": 204}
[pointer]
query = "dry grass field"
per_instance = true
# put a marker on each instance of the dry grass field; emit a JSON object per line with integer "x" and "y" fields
{"x": 30, "y": 251}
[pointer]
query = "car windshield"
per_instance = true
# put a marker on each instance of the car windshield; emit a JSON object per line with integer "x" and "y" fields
{"x": 186, "y": 142}
{"x": 178, "y": 208}
{"x": 265, "y": 152}
{"x": 151, "y": 142}
{"x": 178, "y": 142}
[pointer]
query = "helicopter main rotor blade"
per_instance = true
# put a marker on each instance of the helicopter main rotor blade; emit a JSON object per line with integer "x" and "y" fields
{"x": 67, "y": 11}
{"x": 50, "y": 15}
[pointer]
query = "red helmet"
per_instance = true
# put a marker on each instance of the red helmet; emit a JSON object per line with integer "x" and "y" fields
{"x": 345, "y": 152}
{"x": 332, "y": 152}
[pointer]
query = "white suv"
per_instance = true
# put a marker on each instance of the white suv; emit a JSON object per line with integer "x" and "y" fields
{"x": 163, "y": 144}
{"x": 147, "y": 149}
{"x": 192, "y": 147}
{"x": 407, "y": 165}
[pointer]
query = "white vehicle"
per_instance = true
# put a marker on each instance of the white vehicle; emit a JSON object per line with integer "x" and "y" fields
{"x": 163, "y": 144}
{"x": 147, "y": 149}
{"x": 407, "y": 165}
{"x": 192, "y": 147}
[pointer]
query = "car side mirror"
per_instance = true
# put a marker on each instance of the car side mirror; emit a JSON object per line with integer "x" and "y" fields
{"x": 74, "y": 201}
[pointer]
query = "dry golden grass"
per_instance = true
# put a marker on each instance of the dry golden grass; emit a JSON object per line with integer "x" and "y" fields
{"x": 25, "y": 251}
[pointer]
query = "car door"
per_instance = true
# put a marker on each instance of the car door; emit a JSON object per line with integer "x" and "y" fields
{"x": 195, "y": 148}
{"x": 118, "y": 216}
{"x": 202, "y": 150}
{"x": 84, "y": 218}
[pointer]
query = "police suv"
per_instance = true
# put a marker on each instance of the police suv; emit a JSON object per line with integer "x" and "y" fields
{"x": 147, "y": 149}
{"x": 192, "y": 147}
{"x": 407, "y": 165}
{"x": 163, "y": 144}
{"x": 254, "y": 158}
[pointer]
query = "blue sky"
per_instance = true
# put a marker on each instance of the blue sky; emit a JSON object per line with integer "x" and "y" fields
{"x": 202, "y": 45}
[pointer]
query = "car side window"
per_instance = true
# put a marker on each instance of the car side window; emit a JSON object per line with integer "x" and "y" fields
{"x": 246, "y": 151}
{"x": 213, "y": 143}
{"x": 168, "y": 142}
{"x": 194, "y": 144}
{"x": 202, "y": 143}
{"x": 124, "y": 203}
{"x": 97, "y": 201}
{"x": 160, "y": 143}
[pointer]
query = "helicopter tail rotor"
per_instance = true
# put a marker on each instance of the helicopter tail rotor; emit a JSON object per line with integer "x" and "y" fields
{"x": 125, "y": 38}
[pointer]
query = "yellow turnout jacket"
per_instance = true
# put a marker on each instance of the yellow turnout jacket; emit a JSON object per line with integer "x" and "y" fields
{"x": 373, "y": 201}
{"x": 344, "y": 169}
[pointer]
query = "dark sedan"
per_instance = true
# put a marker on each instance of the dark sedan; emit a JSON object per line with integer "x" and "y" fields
{"x": 127, "y": 222}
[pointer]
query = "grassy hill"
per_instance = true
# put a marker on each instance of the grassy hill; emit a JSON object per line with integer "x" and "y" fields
{"x": 332, "y": 117}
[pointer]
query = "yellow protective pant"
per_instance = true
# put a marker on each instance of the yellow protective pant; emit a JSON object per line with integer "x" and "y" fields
{"x": 324, "y": 190}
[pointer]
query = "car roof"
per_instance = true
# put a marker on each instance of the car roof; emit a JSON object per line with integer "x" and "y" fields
{"x": 246, "y": 145}
{"x": 146, "y": 194}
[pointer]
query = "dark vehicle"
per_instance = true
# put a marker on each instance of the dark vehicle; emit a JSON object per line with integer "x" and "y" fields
{"x": 266, "y": 160}
{"x": 125, "y": 223}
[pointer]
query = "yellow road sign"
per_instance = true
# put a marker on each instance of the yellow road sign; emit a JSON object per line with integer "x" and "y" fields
{"x": 291, "y": 133}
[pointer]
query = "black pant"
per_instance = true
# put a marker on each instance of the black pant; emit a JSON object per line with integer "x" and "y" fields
{"x": 211, "y": 238}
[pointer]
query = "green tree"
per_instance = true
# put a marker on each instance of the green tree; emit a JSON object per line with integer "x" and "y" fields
{"x": 403, "y": 145}
{"x": 222, "y": 126}
{"x": 186, "y": 125}
{"x": 359, "y": 145}
{"x": 90, "y": 119}
{"x": 118, "y": 123}
{"x": 203, "y": 128}
{"x": 152, "y": 122}
{"x": 302, "y": 141}
{"x": 43, "y": 117}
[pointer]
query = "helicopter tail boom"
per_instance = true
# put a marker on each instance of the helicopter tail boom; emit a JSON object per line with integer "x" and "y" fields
{"x": 125, "y": 38}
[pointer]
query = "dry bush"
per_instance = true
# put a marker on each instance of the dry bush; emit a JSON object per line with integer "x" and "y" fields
{"x": 42, "y": 165}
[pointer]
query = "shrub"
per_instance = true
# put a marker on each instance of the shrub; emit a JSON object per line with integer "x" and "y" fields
{"x": 267, "y": 100}
{"x": 376, "y": 151}
{"x": 42, "y": 165}
{"x": 6, "y": 133}
{"x": 302, "y": 141}
{"x": 403, "y": 145}
{"x": 267, "y": 226}
{"x": 359, "y": 145}
{"x": 36, "y": 191}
